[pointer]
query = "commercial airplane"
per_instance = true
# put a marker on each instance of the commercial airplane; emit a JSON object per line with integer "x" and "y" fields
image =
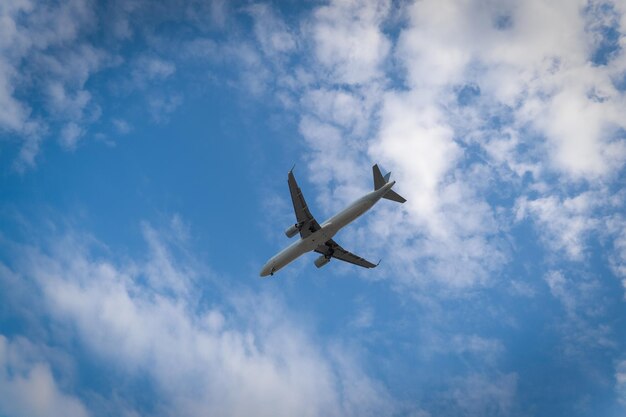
{"x": 319, "y": 238}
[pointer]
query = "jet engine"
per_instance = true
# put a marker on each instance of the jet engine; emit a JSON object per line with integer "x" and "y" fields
{"x": 321, "y": 261}
{"x": 292, "y": 230}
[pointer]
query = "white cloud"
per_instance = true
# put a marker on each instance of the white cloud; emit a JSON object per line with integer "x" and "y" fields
{"x": 67, "y": 105}
{"x": 273, "y": 34}
{"x": 70, "y": 134}
{"x": 565, "y": 222}
{"x": 477, "y": 345}
{"x": 28, "y": 152}
{"x": 432, "y": 47}
{"x": 538, "y": 66}
{"x": 448, "y": 231}
{"x": 349, "y": 110}
{"x": 348, "y": 40}
{"x": 418, "y": 144}
{"x": 522, "y": 289}
{"x": 582, "y": 130}
{"x": 41, "y": 51}
{"x": 242, "y": 355}
{"x": 161, "y": 106}
{"x": 478, "y": 394}
{"x": 581, "y": 328}
{"x": 255, "y": 73}
{"x": 617, "y": 259}
{"x": 620, "y": 382}
{"x": 559, "y": 287}
{"x": 441, "y": 342}
{"x": 52, "y": 49}
{"x": 122, "y": 126}
{"x": 151, "y": 68}
{"x": 364, "y": 316}
{"x": 27, "y": 386}
{"x": 14, "y": 114}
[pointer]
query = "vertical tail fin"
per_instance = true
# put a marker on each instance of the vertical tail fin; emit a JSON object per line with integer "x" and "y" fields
{"x": 379, "y": 180}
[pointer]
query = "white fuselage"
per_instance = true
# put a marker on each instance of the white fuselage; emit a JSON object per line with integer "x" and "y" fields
{"x": 328, "y": 229}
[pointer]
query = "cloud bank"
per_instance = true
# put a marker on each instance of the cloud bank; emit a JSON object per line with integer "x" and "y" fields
{"x": 207, "y": 348}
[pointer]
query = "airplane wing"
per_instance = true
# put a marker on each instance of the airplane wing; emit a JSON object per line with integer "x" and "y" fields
{"x": 305, "y": 219}
{"x": 332, "y": 248}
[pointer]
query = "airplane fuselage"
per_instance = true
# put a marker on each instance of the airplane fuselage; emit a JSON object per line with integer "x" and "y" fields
{"x": 328, "y": 229}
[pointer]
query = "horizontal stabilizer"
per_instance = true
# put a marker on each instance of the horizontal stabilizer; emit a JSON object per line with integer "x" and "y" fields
{"x": 393, "y": 196}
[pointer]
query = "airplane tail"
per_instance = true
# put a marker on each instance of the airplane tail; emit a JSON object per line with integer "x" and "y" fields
{"x": 380, "y": 181}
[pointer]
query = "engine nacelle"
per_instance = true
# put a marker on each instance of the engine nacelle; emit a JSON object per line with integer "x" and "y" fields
{"x": 321, "y": 261}
{"x": 292, "y": 230}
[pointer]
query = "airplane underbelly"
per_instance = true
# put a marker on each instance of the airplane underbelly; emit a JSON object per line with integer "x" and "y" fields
{"x": 320, "y": 237}
{"x": 290, "y": 254}
{"x": 349, "y": 215}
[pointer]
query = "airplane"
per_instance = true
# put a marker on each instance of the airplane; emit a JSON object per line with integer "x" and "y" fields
{"x": 319, "y": 238}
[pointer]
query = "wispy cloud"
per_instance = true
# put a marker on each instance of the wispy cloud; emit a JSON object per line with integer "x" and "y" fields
{"x": 50, "y": 51}
{"x": 236, "y": 355}
{"x": 565, "y": 223}
{"x": 43, "y": 51}
{"x": 28, "y": 387}
{"x": 620, "y": 381}
{"x": 478, "y": 394}
{"x": 122, "y": 126}
{"x": 581, "y": 328}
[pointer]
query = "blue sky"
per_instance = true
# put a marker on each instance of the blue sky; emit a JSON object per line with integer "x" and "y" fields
{"x": 144, "y": 151}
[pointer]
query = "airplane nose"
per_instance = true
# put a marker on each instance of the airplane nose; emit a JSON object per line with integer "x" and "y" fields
{"x": 266, "y": 270}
